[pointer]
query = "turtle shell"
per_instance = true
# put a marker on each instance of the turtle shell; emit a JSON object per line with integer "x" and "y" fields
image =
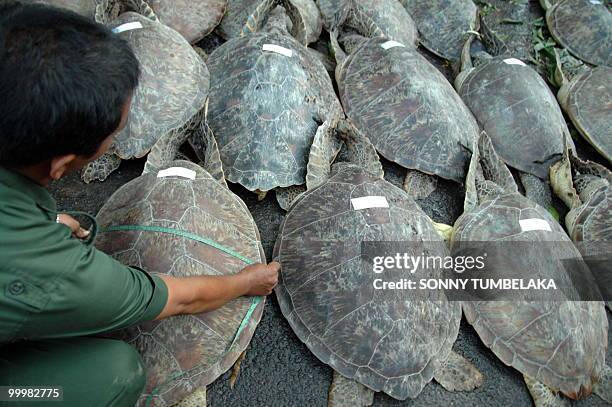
{"x": 387, "y": 342}
{"x": 592, "y": 222}
{"x": 559, "y": 343}
{"x": 386, "y": 18}
{"x": 184, "y": 353}
{"x": 584, "y": 27}
{"x": 407, "y": 108}
{"x": 173, "y": 85}
{"x": 85, "y": 8}
{"x": 193, "y": 19}
{"x": 265, "y": 108}
{"x": 518, "y": 111}
{"x": 586, "y": 99}
{"x": 442, "y": 24}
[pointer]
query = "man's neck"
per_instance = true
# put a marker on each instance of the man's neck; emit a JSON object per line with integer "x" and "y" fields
{"x": 38, "y": 173}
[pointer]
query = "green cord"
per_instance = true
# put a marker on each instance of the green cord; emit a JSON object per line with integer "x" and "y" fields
{"x": 191, "y": 236}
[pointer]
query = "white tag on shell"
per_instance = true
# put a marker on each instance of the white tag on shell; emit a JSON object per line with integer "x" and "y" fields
{"x": 391, "y": 44}
{"x": 534, "y": 224}
{"x": 134, "y": 25}
{"x": 177, "y": 172}
{"x": 278, "y": 49}
{"x": 596, "y": 2}
{"x": 366, "y": 202}
{"x": 514, "y": 61}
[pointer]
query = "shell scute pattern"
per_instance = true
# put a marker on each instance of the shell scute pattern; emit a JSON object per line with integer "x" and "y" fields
{"x": 265, "y": 113}
{"x": 410, "y": 112}
{"x": 173, "y": 85}
{"x": 389, "y": 342}
{"x": 184, "y": 353}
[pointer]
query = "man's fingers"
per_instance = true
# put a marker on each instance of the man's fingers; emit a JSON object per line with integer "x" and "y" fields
{"x": 82, "y": 233}
{"x": 275, "y": 266}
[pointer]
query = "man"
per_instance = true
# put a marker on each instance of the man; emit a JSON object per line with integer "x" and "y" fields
{"x": 65, "y": 92}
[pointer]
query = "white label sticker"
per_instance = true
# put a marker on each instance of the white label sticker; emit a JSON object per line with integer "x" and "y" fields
{"x": 391, "y": 44}
{"x": 366, "y": 202}
{"x": 596, "y": 2}
{"x": 514, "y": 61}
{"x": 534, "y": 224}
{"x": 278, "y": 49}
{"x": 134, "y": 25}
{"x": 177, "y": 172}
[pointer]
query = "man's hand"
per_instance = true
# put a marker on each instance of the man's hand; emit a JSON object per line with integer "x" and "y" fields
{"x": 262, "y": 278}
{"x": 74, "y": 225}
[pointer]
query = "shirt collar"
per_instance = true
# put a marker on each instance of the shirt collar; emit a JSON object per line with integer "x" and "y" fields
{"x": 26, "y": 186}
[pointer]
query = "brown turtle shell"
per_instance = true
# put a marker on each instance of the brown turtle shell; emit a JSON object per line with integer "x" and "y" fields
{"x": 85, "y": 8}
{"x": 193, "y": 19}
{"x": 184, "y": 353}
{"x": 514, "y": 105}
{"x": 408, "y": 109}
{"x": 388, "y": 341}
{"x": 584, "y": 27}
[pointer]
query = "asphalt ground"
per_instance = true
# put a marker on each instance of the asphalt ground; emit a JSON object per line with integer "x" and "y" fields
{"x": 278, "y": 369}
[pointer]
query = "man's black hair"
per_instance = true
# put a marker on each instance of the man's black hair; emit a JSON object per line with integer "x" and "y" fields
{"x": 63, "y": 82}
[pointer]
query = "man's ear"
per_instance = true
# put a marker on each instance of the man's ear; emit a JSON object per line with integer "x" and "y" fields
{"x": 60, "y": 165}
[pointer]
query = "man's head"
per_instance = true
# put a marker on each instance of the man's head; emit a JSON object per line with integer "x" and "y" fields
{"x": 65, "y": 88}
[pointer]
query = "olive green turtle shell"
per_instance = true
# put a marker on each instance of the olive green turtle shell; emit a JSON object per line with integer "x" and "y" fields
{"x": 85, "y": 8}
{"x": 388, "y": 340}
{"x": 443, "y": 24}
{"x": 194, "y": 19}
{"x": 173, "y": 85}
{"x": 584, "y": 27}
{"x": 514, "y": 105}
{"x": 408, "y": 109}
{"x": 586, "y": 100}
{"x": 561, "y": 344}
{"x": 265, "y": 108}
{"x": 184, "y": 353}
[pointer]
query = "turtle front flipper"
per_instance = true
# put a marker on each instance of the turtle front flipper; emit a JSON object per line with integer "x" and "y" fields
{"x": 322, "y": 153}
{"x": 195, "y": 399}
{"x": 345, "y": 392}
{"x": 458, "y": 374}
{"x": 419, "y": 185}
{"x": 361, "y": 151}
{"x": 255, "y": 20}
{"x": 286, "y": 196}
{"x": 306, "y": 19}
{"x": 101, "y": 168}
{"x": 544, "y": 396}
{"x": 205, "y": 146}
{"x": 537, "y": 190}
{"x": 603, "y": 388}
{"x": 143, "y": 8}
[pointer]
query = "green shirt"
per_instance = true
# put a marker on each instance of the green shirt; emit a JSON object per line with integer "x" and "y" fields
{"x": 51, "y": 284}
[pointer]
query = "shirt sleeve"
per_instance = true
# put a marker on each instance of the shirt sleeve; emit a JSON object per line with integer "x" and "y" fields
{"x": 98, "y": 294}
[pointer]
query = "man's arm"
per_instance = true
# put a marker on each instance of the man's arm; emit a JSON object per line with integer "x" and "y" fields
{"x": 192, "y": 295}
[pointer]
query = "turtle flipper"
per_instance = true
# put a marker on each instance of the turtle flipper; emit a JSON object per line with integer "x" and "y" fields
{"x": 205, "y": 146}
{"x": 255, "y": 20}
{"x": 537, "y": 190}
{"x": 307, "y": 20}
{"x": 544, "y": 396}
{"x": 101, "y": 168}
{"x": 236, "y": 369}
{"x": 345, "y": 392}
{"x": 195, "y": 399}
{"x": 419, "y": 185}
{"x": 603, "y": 388}
{"x": 286, "y": 196}
{"x": 143, "y": 8}
{"x": 458, "y": 374}
{"x": 323, "y": 150}
{"x": 360, "y": 150}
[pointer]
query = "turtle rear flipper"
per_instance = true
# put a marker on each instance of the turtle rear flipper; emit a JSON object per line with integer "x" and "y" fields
{"x": 195, "y": 399}
{"x": 101, "y": 168}
{"x": 544, "y": 396}
{"x": 459, "y": 374}
{"x": 345, "y": 392}
{"x": 419, "y": 185}
{"x": 536, "y": 189}
{"x": 286, "y": 196}
{"x": 604, "y": 387}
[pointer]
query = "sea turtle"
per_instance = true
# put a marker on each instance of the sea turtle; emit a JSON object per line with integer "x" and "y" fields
{"x": 443, "y": 24}
{"x": 393, "y": 341}
{"x": 558, "y": 345}
{"x": 408, "y": 109}
{"x": 370, "y": 18}
{"x": 246, "y": 16}
{"x": 170, "y": 96}
{"x": 268, "y": 100}
{"x": 516, "y": 108}
{"x": 193, "y": 19}
{"x": 583, "y": 27}
{"x": 586, "y": 189}
{"x": 586, "y": 100}
{"x": 102, "y": 11}
{"x": 184, "y": 221}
